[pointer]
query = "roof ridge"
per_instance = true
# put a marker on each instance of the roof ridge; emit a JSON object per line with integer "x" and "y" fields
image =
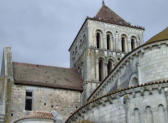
{"x": 41, "y": 65}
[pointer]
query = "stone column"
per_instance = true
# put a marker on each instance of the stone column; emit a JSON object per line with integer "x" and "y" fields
{"x": 128, "y": 45}
{"x": 118, "y": 43}
{"x": 104, "y": 41}
{"x": 112, "y": 43}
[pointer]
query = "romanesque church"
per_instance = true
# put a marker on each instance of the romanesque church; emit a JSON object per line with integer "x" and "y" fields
{"x": 114, "y": 77}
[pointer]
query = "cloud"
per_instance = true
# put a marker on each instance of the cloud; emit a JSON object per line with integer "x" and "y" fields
{"x": 41, "y": 31}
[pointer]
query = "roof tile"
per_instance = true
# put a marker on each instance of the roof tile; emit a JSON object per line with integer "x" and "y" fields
{"x": 47, "y": 76}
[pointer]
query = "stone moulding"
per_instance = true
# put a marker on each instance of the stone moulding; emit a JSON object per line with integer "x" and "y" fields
{"x": 125, "y": 92}
{"x": 136, "y": 52}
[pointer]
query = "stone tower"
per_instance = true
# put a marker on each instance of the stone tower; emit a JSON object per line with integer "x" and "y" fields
{"x": 100, "y": 43}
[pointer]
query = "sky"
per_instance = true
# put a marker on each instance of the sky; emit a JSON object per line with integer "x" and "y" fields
{"x": 41, "y": 31}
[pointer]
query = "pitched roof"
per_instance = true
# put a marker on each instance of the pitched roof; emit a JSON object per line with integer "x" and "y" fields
{"x": 163, "y": 35}
{"x": 47, "y": 76}
{"x": 105, "y": 14}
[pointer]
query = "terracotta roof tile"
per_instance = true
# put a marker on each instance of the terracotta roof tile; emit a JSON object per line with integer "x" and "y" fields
{"x": 37, "y": 115}
{"x": 47, "y": 76}
{"x": 108, "y": 15}
{"x": 105, "y": 14}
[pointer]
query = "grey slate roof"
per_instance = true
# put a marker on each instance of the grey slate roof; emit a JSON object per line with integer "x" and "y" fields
{"x": 47, "y": 76}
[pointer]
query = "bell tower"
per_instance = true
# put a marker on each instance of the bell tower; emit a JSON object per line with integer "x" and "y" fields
{"x": 100, "y": 43}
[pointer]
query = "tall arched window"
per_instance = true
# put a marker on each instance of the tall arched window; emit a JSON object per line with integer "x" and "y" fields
{"x": 100, "y": 69}
{"x": 123, "y": 43}
{"x": 109, "y": 66}
{"x": 162, "y": 114}
{"x": 133, "y": 42}
{"x": 137, "y": 117}
{"x": 109, "y": 40}
{"x": 98, "y": 39}
{"x": 149, "y": 115}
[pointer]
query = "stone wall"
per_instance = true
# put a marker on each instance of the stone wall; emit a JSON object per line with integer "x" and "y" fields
{"x": 146, "y": 63}
{"x": 116, "y": 32}
{"x": 84, "y": 54}
{"x": 141, "y": 104}
{"x": 154, "y": 63}
{"x": 44, "y": 99}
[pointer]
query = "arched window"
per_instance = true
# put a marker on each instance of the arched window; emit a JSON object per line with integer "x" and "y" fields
{"x": 137, "y": 117}
{"x": 109, "y": 40}
{"x": 109, "y": 66}
{"x": 108, "y": 36}
{"x": 162, "y": 114}
{"x": 98, "y": 39}
{"x": 100, "y": 69}
{"x": 149, "y": 115}
{"x": 123, "y": 43}
{"x": 133, "y": 43}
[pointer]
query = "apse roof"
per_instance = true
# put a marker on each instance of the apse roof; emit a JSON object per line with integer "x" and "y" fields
{"x": 47, "y": 76}
{"x": 163, "y": 35}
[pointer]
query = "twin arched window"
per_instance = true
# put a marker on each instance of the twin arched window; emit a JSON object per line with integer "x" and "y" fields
{"x": 124, "y": 43}
{"x": 99, "y": 43}
{"x": 101, "y": 68}
{"x": 110, "y": 41}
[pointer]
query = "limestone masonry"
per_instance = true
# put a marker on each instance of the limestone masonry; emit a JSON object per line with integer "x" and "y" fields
{"x": 114, "y": 77}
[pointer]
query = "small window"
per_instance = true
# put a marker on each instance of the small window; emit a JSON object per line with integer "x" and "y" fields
{"x": 28, "y": 101}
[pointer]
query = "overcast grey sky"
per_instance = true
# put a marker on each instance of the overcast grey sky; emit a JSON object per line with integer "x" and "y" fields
{"x": 41, "y": 31}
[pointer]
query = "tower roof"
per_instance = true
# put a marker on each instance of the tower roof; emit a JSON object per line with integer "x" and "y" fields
{"x": 107, "y": 15}
{"x": 163, "y": 35}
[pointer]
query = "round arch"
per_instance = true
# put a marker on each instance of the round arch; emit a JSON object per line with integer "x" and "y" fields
{"x": 124, "y": 42}
{"x": 133, "y": 80}
{"x": 109, "y": 41}
{"x": 133, "y": 42}
{"x": 99, "y": 38}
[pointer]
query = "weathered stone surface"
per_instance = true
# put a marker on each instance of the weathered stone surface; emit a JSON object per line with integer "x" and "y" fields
{"x": 44, "y": 100}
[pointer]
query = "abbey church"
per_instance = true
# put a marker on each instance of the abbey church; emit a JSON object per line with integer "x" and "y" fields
{"x": 114, "y": 77}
